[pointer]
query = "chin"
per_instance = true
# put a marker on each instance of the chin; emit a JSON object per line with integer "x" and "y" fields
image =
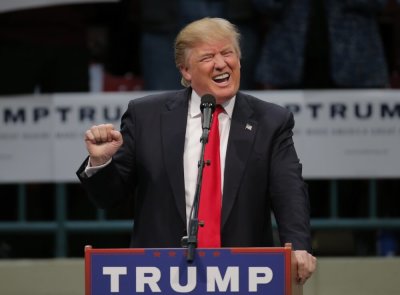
{"x": 225, "y": 94}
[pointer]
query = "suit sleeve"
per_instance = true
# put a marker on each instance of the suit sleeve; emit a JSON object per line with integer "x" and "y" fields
{"x": 116, "y": 181}
{"x": 288, "y": 191}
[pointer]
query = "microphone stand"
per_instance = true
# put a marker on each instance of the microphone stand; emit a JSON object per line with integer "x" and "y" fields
{"x": 190, "y": 241}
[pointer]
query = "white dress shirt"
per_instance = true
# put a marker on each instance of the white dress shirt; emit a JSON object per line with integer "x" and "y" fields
{"x": 192, "y": 150}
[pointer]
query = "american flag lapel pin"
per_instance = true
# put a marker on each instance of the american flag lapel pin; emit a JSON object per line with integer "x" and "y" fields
{"x": 248, "y": 127}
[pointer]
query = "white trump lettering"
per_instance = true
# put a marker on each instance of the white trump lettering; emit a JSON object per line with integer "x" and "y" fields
{"x": 216, "y": 281}
{"x": 147, "y": 276}
{"x": 191, "y": 279}
{"x": 114, "y": 273}
{"x": 231, "y": 278}
{"x": 257, "y": 276}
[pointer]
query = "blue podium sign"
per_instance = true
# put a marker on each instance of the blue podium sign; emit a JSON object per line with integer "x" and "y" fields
{"x": 166, "y": 271}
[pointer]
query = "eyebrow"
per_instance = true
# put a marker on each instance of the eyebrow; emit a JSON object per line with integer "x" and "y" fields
{"x": 227, "y": 48}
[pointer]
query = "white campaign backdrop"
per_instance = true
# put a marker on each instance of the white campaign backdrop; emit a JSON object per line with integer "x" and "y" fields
{"x": 338, "y": 134}
{"x": 11, "y": 5}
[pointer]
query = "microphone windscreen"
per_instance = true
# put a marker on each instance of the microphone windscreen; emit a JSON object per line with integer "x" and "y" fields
{"x": 207, "y": 100}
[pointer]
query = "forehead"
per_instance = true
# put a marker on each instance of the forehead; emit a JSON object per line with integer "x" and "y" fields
{"x": 214, "y": 43}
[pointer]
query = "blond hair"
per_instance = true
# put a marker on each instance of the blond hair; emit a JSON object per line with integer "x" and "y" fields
{"x": 205, "y": 30}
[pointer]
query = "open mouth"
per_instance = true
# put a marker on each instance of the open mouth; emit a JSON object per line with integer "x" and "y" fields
{"x": 221, "y": 78}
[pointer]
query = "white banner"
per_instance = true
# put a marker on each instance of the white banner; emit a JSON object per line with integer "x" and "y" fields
{"x": 338, "y": 134}
{"x": 11, "y": 5}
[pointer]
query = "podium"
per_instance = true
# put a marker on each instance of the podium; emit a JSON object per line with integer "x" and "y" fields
{"x": 213, "y": 271}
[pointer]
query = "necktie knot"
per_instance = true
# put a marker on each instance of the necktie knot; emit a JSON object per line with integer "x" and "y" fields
{"x": 218, "y": 109}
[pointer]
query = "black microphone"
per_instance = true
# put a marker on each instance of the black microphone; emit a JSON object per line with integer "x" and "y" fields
{"x": 207, "y": 107}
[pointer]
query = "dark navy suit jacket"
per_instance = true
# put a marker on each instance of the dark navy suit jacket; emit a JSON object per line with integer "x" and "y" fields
{"x": 262, "y": 174}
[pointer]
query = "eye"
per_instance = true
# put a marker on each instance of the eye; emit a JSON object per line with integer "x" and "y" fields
{"x": 227, "y": 53}
{"x": 206, "y": 58}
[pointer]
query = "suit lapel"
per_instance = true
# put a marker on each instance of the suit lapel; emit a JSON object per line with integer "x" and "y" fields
{"x": 173, "y": 128}
{"x": 241, "y": 137}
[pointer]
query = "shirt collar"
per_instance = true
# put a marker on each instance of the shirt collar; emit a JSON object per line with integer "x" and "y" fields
{"x": 194, "y": 105}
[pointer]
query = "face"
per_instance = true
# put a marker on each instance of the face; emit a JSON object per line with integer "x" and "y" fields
{"x": 213, "y": 68}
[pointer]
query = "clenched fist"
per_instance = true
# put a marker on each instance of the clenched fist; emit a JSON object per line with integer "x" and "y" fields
{"x": 102, "y": 142}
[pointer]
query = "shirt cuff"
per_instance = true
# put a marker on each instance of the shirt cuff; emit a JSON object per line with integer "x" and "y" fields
{"x": 90, "y": 171}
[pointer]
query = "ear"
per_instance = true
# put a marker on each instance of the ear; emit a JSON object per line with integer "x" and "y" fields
{"x": 185, "y": 73}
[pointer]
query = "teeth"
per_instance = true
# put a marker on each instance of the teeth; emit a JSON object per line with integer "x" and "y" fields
{"x": 222, "y": 76}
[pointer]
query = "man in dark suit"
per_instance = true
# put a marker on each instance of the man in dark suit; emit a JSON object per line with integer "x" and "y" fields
{"x": 154, "y": 156}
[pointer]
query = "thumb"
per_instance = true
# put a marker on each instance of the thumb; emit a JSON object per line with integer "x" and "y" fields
{"x": 116, "y": 136}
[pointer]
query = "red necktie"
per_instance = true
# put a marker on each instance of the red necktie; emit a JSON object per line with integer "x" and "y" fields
{"x": 209, "y": 235}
